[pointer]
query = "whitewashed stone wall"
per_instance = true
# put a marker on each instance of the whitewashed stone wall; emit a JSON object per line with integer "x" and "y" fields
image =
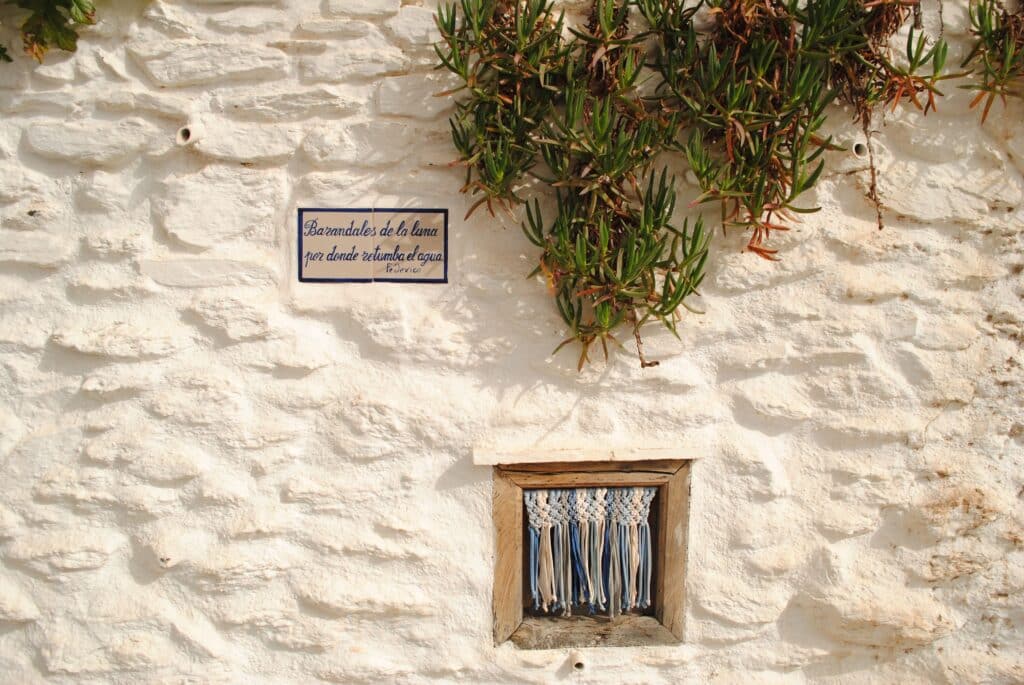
{"x": 211, "y": 474}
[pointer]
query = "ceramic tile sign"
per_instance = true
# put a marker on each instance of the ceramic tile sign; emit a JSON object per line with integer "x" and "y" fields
{"x": 373, "y": 245}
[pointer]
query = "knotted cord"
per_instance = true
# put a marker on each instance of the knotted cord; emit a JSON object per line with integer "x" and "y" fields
{"x": 590, "y": 547}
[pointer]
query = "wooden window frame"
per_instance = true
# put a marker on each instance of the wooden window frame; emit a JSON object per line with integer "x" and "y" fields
{"x": 671, "y": 477}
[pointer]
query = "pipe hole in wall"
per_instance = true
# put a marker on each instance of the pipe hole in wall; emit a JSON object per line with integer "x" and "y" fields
{"x": 578, "y": 665}
{"x": 860, "y": 149}
{"x": 184, "y": 135}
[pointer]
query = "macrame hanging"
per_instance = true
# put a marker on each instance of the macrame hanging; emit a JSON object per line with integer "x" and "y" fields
{"x": 590, "y": 547}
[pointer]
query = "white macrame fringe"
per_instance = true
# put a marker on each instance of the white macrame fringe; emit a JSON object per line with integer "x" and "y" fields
{"x": 590, "y": 547}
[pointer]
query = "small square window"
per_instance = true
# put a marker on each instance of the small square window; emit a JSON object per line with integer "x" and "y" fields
{"x": 642, "y": 604}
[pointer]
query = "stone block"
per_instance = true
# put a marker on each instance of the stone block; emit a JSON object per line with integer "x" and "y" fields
{"x": 359, "y": 145}
{"x": 220, "y": 204}
{"x": 353, "y": 60}
{"x": 206, "y": 273}
{"x": 288, "y": 106}
{"x": 416, "y": 96}
{"x": 248, "y": 20}
{"x": 16, "y": 605}
{"x": 363, "y": 8}
{"x": 98, "y": 143}
{"x": 235, "y": 318}
{"x": 36, "y": 248}
{"x": 190, "y": 63}
{"x": 414, "y": 26}
{"x": 60, "y": 550}
{"x": 123, "y": 340}
{"x": 246, "y": 143}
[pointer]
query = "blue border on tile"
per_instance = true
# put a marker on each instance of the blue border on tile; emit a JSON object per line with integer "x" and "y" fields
{"x": 364, "y": 210}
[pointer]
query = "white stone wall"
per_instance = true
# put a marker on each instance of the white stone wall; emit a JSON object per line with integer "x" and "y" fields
{"x": 211, "y": 474}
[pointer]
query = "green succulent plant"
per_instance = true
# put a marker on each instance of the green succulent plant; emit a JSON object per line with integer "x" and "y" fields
{"x": 753, "y": 83}
{"x": 998, "y": 53}
{"x": 741, "y": 91}
{"x": 611, "y": 254}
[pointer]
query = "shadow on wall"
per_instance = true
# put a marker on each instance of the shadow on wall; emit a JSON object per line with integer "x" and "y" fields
{"x": 463, "y": 473}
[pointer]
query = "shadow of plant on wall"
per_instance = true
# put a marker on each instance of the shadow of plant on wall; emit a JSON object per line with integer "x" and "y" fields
{"x": 738, "y": 89}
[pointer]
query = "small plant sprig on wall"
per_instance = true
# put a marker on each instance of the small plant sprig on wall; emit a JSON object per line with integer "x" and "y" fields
{"x": 51, "y": 23}
{"x": 611, "y": 255}
{"x": 998, "y": 53}
{"x": 742, "y": 88}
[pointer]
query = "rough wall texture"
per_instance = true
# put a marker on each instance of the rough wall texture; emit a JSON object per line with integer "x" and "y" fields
{"x": 214, "y": 474}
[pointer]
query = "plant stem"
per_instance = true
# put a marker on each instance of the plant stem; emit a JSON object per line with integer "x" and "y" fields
{"x": 873, "y": 188}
